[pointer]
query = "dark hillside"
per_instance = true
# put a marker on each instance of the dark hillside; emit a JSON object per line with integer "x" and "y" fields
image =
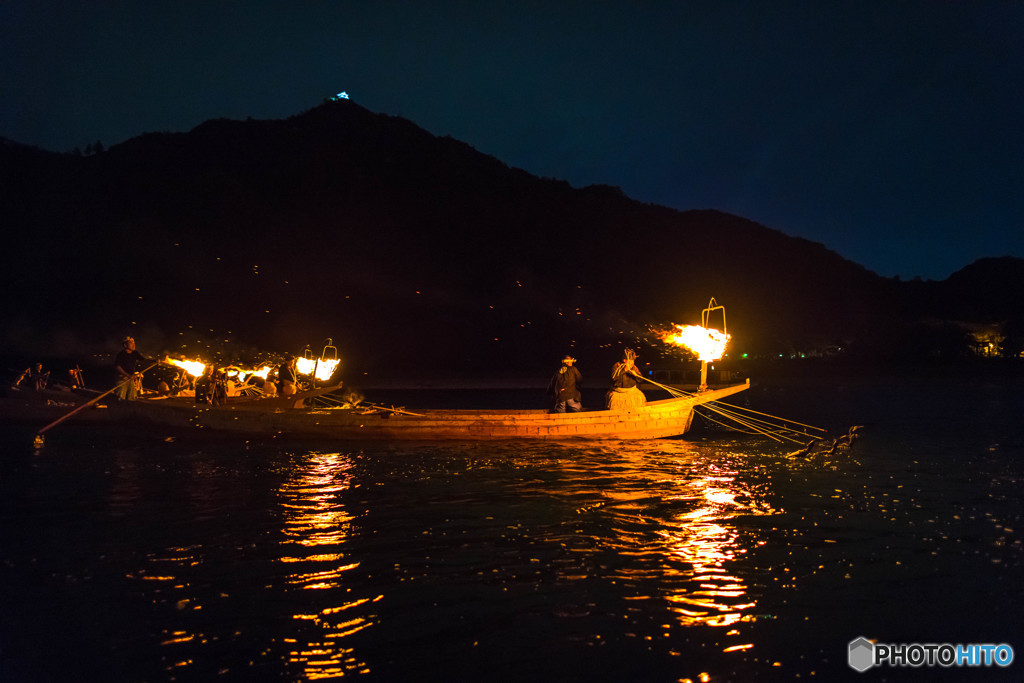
{"x": 414, "y": 253}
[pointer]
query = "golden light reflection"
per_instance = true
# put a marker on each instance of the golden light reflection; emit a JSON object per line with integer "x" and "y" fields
{"x": 177, "y": 593}
{"x": 705, "y": 543}
{"x": 675, "y": 515}
{"x": 316, "y": 528}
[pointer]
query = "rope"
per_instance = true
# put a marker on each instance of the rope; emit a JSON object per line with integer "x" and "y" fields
{"x": 334, "y": 402}
{"x": 777, "y": 430}
{"x": 754, "y": 429}
{"x": 770, "y": 433}
{"x": 780, "y": 429}
{"x": 727, "y": 426}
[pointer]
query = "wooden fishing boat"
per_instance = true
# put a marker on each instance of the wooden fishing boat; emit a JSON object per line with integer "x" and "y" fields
{"x": 299, "y": 416}
{"x": 18, "y": 405}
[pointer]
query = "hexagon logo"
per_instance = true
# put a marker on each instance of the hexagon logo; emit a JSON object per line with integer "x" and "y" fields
{"x": 861, "y": 654}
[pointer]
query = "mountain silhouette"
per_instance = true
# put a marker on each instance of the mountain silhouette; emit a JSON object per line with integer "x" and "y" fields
{"x": 414, "y": 254}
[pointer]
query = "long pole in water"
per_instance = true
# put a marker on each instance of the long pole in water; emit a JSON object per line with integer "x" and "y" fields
{"x": 39, "y": 434}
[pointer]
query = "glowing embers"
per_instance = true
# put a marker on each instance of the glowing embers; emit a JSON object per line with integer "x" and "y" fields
{"x": 707, "y": 343}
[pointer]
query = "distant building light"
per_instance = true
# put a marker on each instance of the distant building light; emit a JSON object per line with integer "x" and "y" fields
{"x": 340, "y": 96}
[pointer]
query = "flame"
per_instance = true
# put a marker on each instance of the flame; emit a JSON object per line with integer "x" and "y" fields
{"x": 707, "y": 342}
{"x": 196, "y": 369}
{"x": 243, "y": 375}
{"x": 263, "y": 372}
{"x": 192, "y": 367}
{"x": 324, "y": 367}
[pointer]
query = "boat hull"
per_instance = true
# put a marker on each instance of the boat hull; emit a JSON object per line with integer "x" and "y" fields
{"x": 658, "y": 419}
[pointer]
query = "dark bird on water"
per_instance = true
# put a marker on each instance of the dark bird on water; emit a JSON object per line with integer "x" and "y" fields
{"x": 806, "y": 450}
{"x": 850, "y": 436}
{"x": 844, "y": 441}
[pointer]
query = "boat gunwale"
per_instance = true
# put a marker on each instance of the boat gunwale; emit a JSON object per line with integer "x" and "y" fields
{"x": 658, "y": 419}
{"x": 264, "y": 406}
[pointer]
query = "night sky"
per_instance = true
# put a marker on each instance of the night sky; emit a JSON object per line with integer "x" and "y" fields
{"x": 891, "y": 132}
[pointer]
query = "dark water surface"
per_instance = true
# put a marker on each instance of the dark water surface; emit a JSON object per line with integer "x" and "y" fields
{"x": 720, "y": 557}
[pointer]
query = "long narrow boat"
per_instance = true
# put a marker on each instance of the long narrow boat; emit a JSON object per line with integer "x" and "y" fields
{"x": 17, "y": 405}
{"x": 297, "y": 416}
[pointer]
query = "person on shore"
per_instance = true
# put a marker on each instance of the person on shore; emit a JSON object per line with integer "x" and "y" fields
{"x": 129, "y": 364}
{"x": 625, "y": 394}
{"x": 563, "y": 389}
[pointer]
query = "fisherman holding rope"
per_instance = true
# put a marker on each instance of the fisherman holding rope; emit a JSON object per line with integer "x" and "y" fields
{"x": 128, "y": 363}
{"x": 625, "y": 394}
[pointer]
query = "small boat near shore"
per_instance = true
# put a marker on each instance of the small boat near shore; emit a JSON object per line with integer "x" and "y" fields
{"x": 301, "y": 416}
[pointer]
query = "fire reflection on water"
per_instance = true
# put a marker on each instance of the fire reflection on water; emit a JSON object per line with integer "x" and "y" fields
{"x": 662, "y": 532}
{"x": 704, "y": 541}
{"x": 675, "y": 518}
{"x": 316, "y": 528}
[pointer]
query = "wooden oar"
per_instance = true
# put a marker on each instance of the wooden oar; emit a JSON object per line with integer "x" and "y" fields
{"x": 39, "y": 434}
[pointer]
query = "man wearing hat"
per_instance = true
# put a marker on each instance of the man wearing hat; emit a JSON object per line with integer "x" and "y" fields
{"x": 563, "y": 389}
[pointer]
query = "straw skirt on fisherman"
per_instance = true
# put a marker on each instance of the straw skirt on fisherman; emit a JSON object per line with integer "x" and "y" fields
{"x": 625, "y": 394}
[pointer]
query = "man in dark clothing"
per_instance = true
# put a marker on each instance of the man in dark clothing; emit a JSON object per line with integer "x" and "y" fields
{"x": 563, "y": 389}
{"x": 129, "y": 363}
{"x": 287, "y": 377}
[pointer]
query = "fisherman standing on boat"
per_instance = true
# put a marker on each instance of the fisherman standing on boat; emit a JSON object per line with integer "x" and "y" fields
{"x": 129, "y": 363}
{"x": 33, "y": 376}
{"x": 563, "y": 388}
{"x": 625, "y": 394}
{"x": 204, "y": 385}
{"x": 75, "y": 375}
{"x": 40, "y": 378}
{"x": 219, "y": 388}
{"x": 287, "y": 377}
